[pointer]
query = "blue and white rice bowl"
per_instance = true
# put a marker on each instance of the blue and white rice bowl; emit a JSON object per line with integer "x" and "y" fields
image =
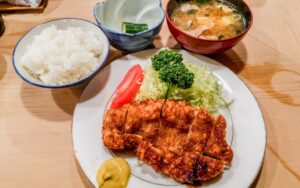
{"x": 63, "y": 23}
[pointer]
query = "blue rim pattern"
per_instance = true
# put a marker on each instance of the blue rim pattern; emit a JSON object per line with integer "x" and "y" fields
{"x": 72, "y": 83}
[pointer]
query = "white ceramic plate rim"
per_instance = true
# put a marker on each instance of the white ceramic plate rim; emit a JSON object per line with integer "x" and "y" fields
{"x": 245, "y": 180}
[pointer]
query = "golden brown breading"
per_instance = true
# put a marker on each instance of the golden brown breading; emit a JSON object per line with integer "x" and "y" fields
{"x": 132, "y": 141}
{"x": 182, "y": 136}
{"x": 208, "y": 168}
{"x": 113, "y": 128}
{"x": 216, "y": 145}
{"x": 170, "y": 136}
{"x": 200, "y": 131}
{"x": 125, "y": 127}
{"x": 176, "y": 120}
{"x": 149, "y": 154}
{"x": 143, "y": 119}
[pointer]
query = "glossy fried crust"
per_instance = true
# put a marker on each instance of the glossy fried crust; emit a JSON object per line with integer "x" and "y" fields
{"x": 113, "y": 128}
{"x": 216, "y": 145}
{"x": 208, "y": 168}
{"x": 182, "y": 136}
{"x": 150, "y": 154}
{"x": 171, "y": 137}
{"x": 143, "y": 119}
{"x": 127, "y": 126}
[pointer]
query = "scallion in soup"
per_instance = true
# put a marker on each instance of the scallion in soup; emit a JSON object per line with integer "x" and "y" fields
{"x": 208, "y": 19}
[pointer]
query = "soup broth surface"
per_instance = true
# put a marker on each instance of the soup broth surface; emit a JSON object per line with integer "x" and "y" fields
{"x": 208, "y": 20}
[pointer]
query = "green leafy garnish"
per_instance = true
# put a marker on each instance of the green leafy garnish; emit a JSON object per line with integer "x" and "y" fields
{"x": 165, "y": 57}
{"x": 152, "y": 87}
{"x": 237, "y": 31}
{"x": 171, "y": 70}
{"x": 205, "y": 90}
{"x": 221, "y": 37}
{"x": 177, "y": 75}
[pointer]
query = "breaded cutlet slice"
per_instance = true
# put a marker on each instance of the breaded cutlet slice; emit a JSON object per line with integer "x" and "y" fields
{"x": 142, "y": 122}
{"x": 171, "y": 137}
{"x": 182, "y": 136}
{"x": 149, "y": 154}
{"x": 217, "y": 146}
{"x": 207, "y": 168}
{"x": 125, "y": 127}
{"x": 176, "y": 119}
{"x": 113, "y": 128}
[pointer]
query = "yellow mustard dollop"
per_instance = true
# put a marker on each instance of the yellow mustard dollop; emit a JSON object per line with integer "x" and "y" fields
{"x": 113, "y": 173}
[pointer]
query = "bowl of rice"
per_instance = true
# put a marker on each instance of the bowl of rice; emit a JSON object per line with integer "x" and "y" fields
{"x": 61, "y": 53}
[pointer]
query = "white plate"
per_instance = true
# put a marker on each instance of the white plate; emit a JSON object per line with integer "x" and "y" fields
{"x": 245, "y": 129}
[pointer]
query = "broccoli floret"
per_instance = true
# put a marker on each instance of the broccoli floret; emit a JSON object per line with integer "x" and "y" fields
{"x": 171, "y": 70}
{"x": 177, "y": 74}
{"x": 165, "y": 57}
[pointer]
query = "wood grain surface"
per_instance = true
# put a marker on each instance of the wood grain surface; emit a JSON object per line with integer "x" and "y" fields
{"x": 35, "y": 123}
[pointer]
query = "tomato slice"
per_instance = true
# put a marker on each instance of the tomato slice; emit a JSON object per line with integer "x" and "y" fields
{"x": 128, "y": 79}
{"x": 129, "y": 87}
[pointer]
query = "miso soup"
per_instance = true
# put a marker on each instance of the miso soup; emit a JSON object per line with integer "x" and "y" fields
{"x": 208, "y": 19}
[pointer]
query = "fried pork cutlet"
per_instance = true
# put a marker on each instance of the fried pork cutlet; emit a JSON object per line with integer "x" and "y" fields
{"x": 142, "y": 120}
{"x": 217, "y": 146}
{"x": 207, "y": 168}
{"x": 182, "y": 136}
{"x": 150, "y": 154}
{"x": 171, "y": 137}
{"x": 127, "y": 126}
{"x": 113, "y": 129}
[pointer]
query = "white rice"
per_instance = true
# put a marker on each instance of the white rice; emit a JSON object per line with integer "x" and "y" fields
{"x": 58, "y": 57}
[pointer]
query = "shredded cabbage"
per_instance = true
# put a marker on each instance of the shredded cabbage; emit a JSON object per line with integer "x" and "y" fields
{"x": 204, "y": 92}
{"x": 152, "y": 87}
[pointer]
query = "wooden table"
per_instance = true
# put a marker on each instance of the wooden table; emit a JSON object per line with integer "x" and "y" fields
{"x": 35, "y": 123}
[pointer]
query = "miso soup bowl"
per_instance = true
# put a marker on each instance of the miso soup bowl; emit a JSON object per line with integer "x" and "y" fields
{"x": 206, "y": 46}
{"x": 111, "y": 14}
